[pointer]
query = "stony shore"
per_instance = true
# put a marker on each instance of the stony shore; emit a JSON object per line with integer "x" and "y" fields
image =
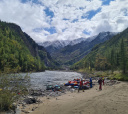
{"x": 111, "y": 100}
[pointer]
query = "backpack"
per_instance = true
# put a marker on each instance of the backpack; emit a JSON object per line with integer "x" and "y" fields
{"x": 98, "y": 81}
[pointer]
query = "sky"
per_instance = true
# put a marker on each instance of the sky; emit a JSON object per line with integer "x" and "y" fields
{"x": 49, "y": 20}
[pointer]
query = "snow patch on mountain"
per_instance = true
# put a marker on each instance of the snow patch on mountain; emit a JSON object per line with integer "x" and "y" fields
{"x": 63, "y": 43}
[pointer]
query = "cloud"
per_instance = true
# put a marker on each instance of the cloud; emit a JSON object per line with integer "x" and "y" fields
{"x": 65, "y": 19}
{"x": 28, "y": 15}
{"x": 112, "y": 17}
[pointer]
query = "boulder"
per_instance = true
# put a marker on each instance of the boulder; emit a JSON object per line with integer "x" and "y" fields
{"x": 30, "y": 100}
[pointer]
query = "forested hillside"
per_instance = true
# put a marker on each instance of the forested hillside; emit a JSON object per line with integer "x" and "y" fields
{"x": 111, "y": 55}
{"x": 73, "y": 53}
{"x": 18, "y": 52}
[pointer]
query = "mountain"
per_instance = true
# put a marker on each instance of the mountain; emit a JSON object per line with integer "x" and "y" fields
{"x": 54, "y": 46}
{"x": 73, "y": 53}
{"x": 18, "y": 51}
{"x": 57, "y": 43}
{"x": 110, "y": 55}
{"x": 51, "y": 47}
{"x": 76, "y": 41}
{"x": 40, "y": 51}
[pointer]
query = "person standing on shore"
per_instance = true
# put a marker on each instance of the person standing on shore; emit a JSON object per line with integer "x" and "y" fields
{"x": 103, "y": 80}
{"x": 100, "y": 83}
{"x": 90, "y": 82}
{"x": 81, "y": 86}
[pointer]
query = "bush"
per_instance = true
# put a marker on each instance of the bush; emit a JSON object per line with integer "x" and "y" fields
{"x": 6, "y": 100}
{"x": 121, "y": 77}
{"x": 12, "y": 87}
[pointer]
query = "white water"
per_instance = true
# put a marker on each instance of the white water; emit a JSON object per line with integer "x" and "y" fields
{"x": 41, "y": 79}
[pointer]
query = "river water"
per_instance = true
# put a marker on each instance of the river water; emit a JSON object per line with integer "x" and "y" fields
{"x": 41, "y": 79}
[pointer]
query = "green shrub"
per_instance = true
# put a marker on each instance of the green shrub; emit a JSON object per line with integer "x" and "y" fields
{"x": 12, "y": 87}
{"x": 121, "y": 77}
{"x": 6, "y": 100}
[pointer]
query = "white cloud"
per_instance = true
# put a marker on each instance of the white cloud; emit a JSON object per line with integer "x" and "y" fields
{"x": 27, "y": 15}
{"x": 112, "y": 17}
{"x": 67, "y": 17}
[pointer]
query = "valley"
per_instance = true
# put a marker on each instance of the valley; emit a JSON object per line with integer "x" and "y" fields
{"x": 63, "y": 56}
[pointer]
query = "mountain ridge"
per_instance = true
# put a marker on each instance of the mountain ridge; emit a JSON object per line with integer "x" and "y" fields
{"x": 53, "y": 46}
{"x": 73, "y": 53}
{"x": 109, "y": 55}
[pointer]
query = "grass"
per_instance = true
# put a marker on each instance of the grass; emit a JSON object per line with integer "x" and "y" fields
{"x": 120, "y": 77}
{"x": 116, "y": 75}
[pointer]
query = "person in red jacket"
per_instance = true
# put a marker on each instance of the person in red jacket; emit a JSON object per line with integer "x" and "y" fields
{"x": 81, "y": 86}
{"x": 103, "y": 80}
{"x": 100, "y": 83}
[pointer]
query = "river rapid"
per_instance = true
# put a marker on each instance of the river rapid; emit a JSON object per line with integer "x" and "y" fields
{"x": 40, "y": 80}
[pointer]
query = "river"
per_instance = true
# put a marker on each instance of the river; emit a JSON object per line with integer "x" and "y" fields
{"x": 41, "y": 79}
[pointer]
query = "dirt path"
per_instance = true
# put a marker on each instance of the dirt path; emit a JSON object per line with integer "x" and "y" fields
{"x": 111, "y": 100}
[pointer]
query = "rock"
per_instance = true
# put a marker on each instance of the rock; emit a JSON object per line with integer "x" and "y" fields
{"x": 33, "y": 109}
{"x": 36, "y": 92}
{"x": 25, "y": 111}
{"x": 23, "y": 105}
{"x": 18, "y": 111}
{"x": 14, "y": 106}
{"x": 30, "y": 100}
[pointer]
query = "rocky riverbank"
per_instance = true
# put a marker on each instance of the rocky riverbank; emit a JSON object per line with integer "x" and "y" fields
{"x": 111, "y": 100}
{"x": 37, "y": 98}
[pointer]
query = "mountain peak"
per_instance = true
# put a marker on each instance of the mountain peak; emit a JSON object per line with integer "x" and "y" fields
{"x": 62, "y": 43}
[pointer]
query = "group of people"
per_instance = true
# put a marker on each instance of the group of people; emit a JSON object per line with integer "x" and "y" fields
{"x": 100, "y": 81}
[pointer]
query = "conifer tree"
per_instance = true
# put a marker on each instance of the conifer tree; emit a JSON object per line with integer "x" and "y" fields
{"x": 122, "y": 57}
{"x": 112, "y": 60}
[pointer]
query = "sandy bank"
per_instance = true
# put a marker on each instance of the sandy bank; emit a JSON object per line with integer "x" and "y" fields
{"x": 111, "y": 100}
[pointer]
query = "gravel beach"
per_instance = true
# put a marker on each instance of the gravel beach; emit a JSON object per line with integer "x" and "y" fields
{"x": 112, "y": 99}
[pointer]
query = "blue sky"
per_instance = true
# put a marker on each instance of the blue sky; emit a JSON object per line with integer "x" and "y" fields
{"x": 91, "y": 13}
{"x": 106, "y": 2}
{"x": 34, "y": 1}
{"x": 53, "y": 20}
{"x": 49, "y": 12}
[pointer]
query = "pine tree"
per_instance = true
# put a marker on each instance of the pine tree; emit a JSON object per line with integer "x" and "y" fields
{"x": 112, "y": 60}
{"x": 123, "y": 57}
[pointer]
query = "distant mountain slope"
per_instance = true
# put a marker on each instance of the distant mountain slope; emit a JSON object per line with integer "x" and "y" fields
{"x": 19, "y": 52}
{"x": 52, "y": 47}
{"x": 37, "y": 50}
{"x": 73, "y": 53}
{"x": 111, "y": 54}
{"x": 55, "y": 46}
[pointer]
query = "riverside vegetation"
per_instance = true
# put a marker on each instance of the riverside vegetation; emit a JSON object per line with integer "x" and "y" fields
{"x": 12, "y": 87}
